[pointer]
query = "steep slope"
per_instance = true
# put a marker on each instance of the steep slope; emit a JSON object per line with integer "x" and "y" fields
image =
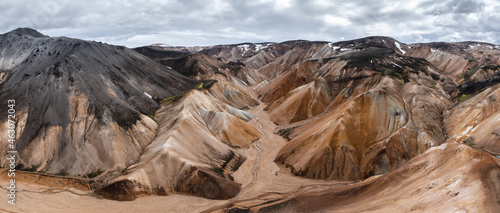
{"x": 231, "y": 79}
{"x": 187, "y": 155}
{"x": 463, "y": 61}
{"x": 476, "y": 121}
{"x": 450, "y": 177}
{"x": 81, "y": 106}
{"x": 286, "y": 75}
{"x": 369, "y": 112}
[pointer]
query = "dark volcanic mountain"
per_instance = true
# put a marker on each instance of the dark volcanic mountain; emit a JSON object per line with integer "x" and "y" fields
{"x": 87, "y": 109}
{"x": 78, "y": 99}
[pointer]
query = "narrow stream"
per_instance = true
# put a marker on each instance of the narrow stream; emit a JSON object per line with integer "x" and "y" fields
{"x": 257, "y": 158}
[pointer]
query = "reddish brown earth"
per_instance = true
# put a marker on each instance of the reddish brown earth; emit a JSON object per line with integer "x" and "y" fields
{"x": 368, "y": 125}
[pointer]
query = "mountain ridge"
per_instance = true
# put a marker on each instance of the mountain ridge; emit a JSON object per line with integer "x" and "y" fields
{"x": 258, "y": 126}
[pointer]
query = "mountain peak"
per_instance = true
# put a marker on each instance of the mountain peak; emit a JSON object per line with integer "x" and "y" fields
{"x": 27, "y": 31}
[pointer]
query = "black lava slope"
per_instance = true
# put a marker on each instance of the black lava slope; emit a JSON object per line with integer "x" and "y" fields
{"x": 52, "y": 78}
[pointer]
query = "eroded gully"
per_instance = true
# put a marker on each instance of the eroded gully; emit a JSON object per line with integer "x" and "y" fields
{"x": 255, "y": 168}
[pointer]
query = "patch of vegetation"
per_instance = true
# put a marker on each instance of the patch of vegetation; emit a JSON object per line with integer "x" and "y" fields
{"x": 464, "y": 97}
{"x": 171, "y": 98}
{"x": 465, "y": 76}
{"x": 206, "y": 84}
{"x": 469, "y": 142}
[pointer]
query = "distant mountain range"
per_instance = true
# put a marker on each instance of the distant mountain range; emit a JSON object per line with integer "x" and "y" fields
{"x": 371, "y": 124}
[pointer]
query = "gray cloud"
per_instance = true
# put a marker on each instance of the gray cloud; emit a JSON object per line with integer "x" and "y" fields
{"x": 198, "y": 22}
{"x": 458, "y": 6}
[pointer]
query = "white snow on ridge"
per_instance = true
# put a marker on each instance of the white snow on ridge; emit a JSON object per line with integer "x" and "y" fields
{"x": 160, "y": 45}
{"x": 399, "y": 47}
{"x": 145, "y": 93}
{"x": 244, "y": 47}
{"x": 333, "y": 47}
{"x": 343, "y": 49}
{"x": 433, "y": 50}
{"x": 259, "y": 47}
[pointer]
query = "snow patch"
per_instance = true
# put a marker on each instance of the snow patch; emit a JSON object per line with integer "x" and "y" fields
{"x": 433, "y": 50}
{"x": 441, "y": 147}
{"x": 396, "y": 64}
{"x": 399, "y": 47}
{"x": 383, "y": 40}
{"x": 259, "y": 47}
{"x": 333, "y": 47}
{"x": 145, "y": 93}
{"x": 245, "y": 48}
{"x": 343, "y": 49}
{"x": 467, "y": 130}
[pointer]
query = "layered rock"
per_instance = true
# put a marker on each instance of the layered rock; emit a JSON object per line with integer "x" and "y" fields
{"x": 368, "y": 113}
{"x": 187, "y": 155}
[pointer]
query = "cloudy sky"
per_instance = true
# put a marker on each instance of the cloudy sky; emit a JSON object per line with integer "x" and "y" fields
{"x": 207, "y": 22}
